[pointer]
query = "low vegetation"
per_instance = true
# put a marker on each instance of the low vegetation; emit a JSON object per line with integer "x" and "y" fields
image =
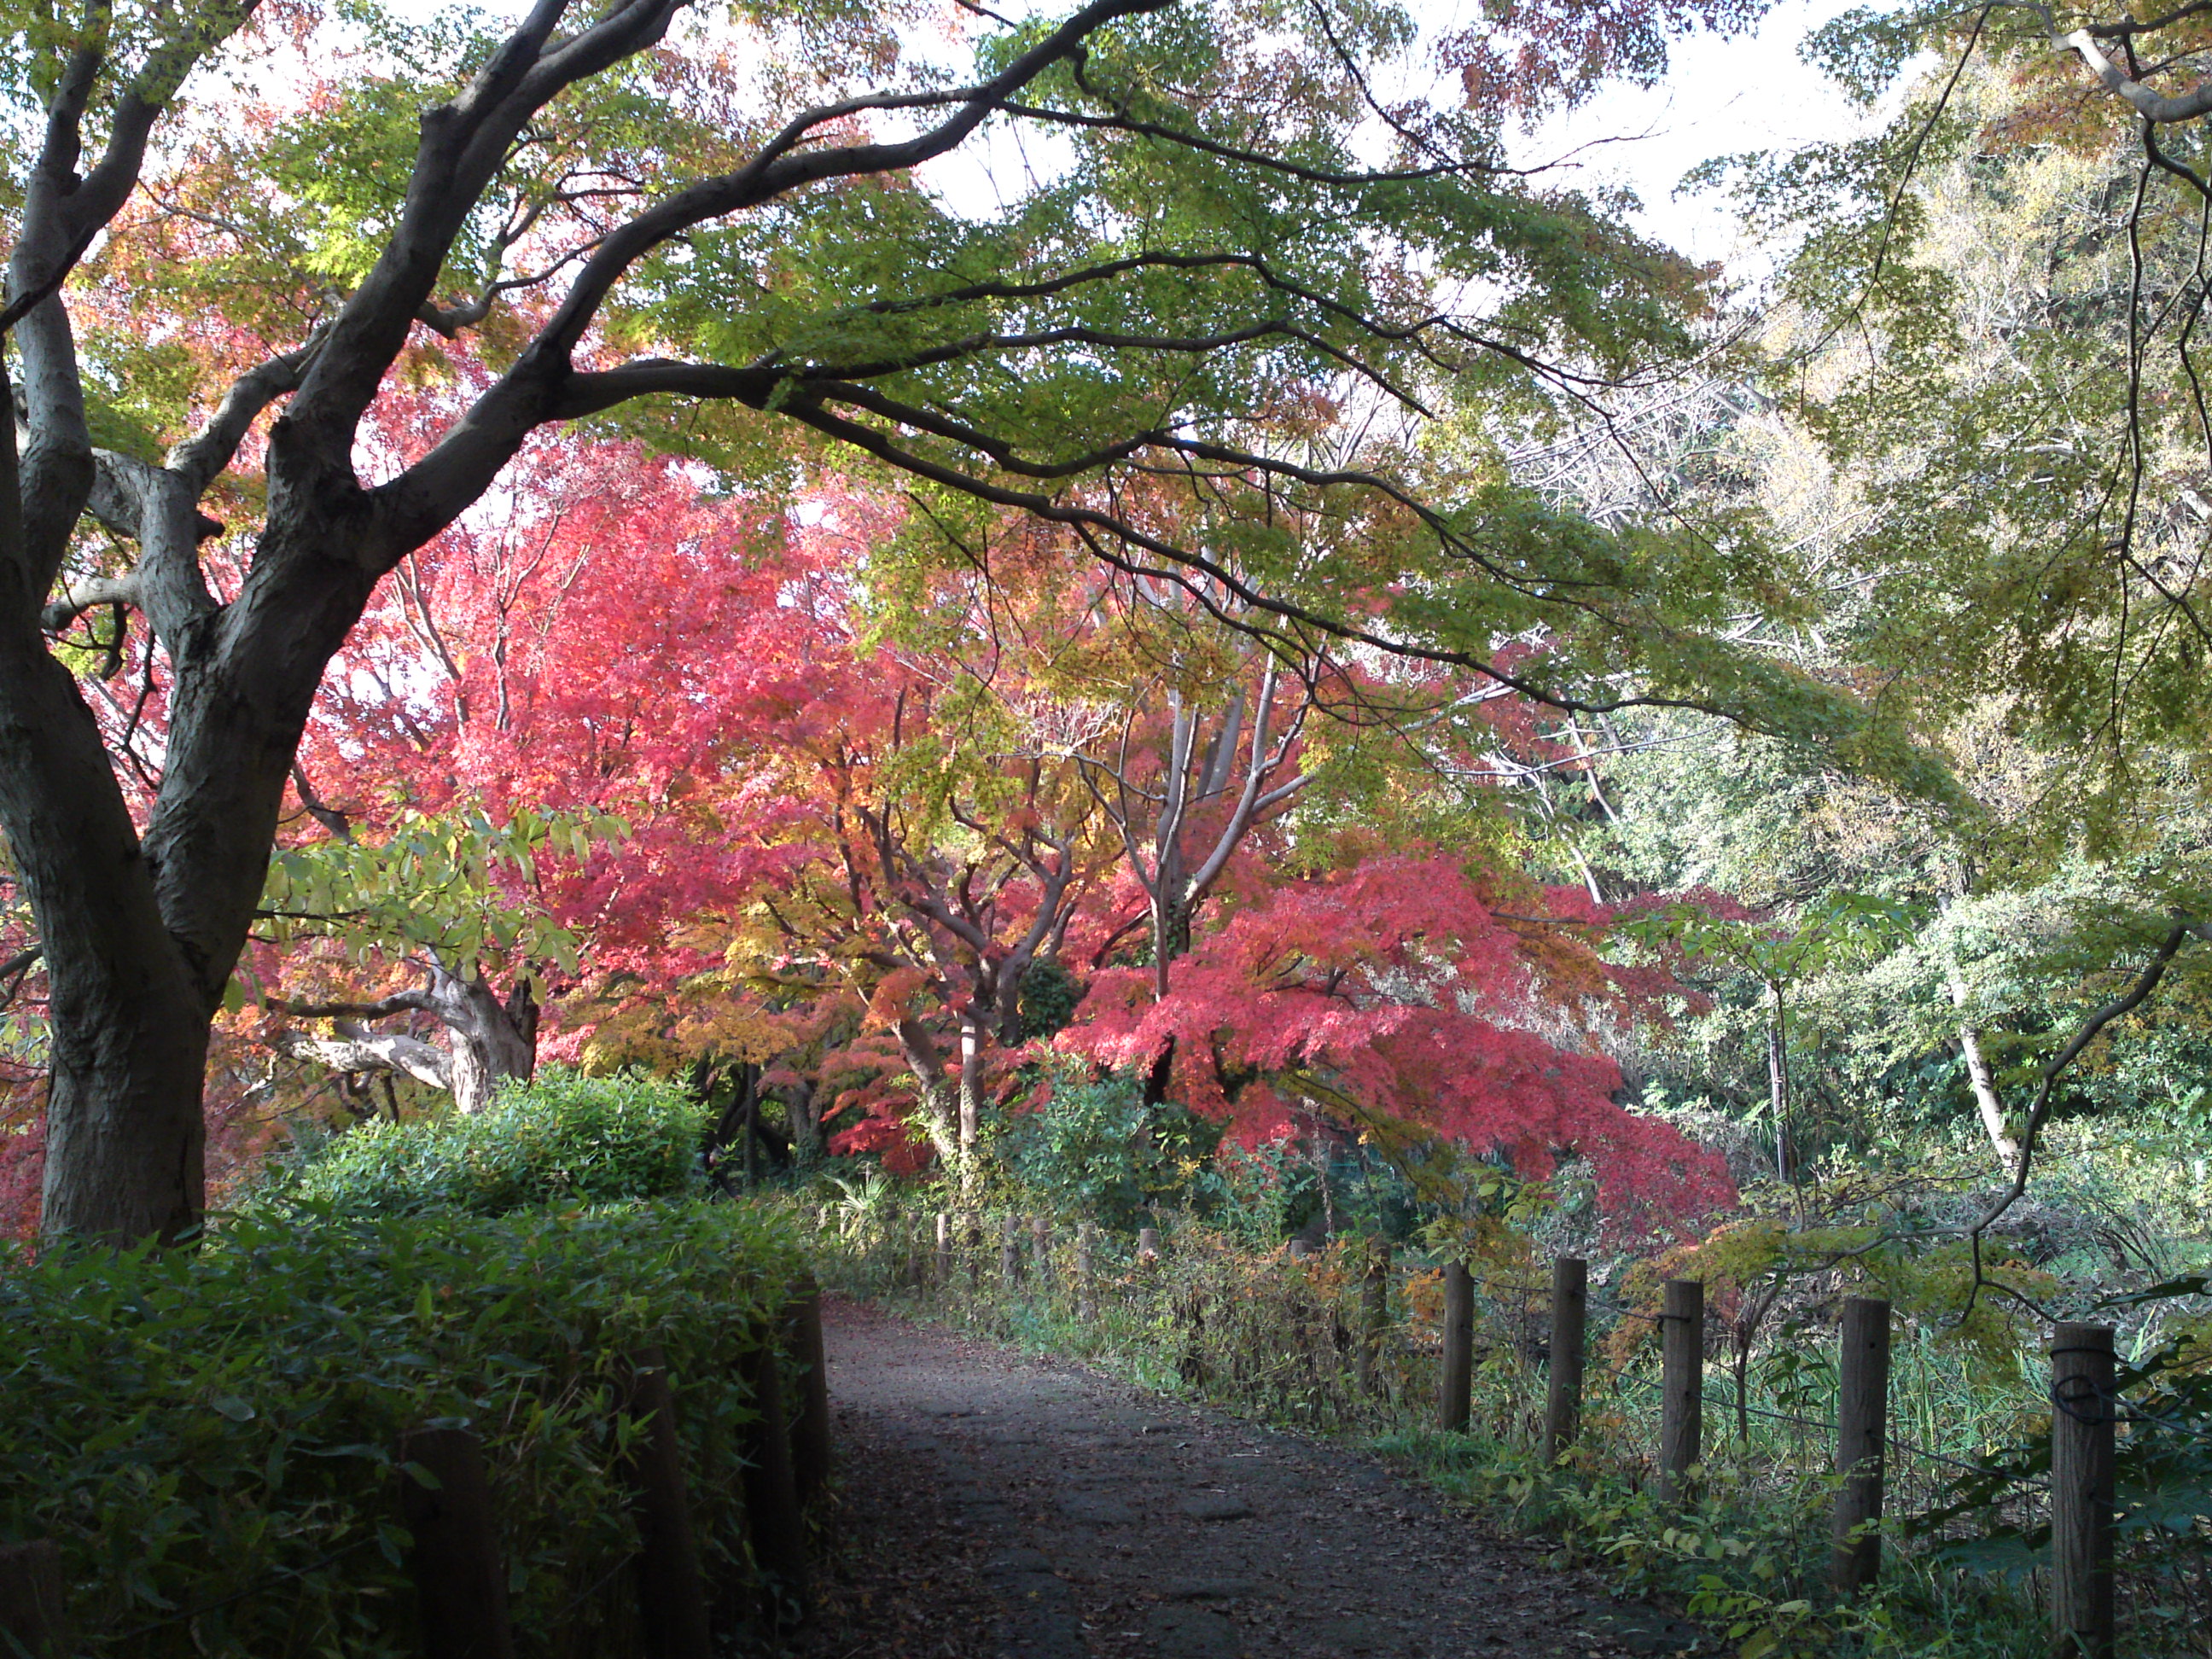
{"x": 1300, "y": 1335}
{"x": 210, "y": 1434}
{"x": 563, "y": 1139}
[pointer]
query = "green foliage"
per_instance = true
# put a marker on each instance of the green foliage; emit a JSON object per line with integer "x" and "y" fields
{"x": 1093, "y": 1148}
{"x": 1049, "y": 996}
{"x": 209, "y": 1435}
{"x": 1269, "y": 1192}
{"x": 460, "y": 886}
{"x": 2162, "y": 1488}
{"x": 565, "y": 1138}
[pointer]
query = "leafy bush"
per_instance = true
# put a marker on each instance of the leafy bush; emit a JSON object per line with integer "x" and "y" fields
{"x": 209, "y": 1436}
{"x": 1091, "y": 1145}
{"x": 565, "y": 1138}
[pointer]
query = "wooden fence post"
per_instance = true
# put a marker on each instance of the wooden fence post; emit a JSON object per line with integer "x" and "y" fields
{"x": 1010, "y": 1251}
{"x": 1862, "y": 1440}
{"x": 1563, "y": 1395}
{"x": 924, "y": 1255}
{"x": 1374, "y": 1312}
{"x": 460, "y": 1582}
{"x": 1041, "y": 1250}
{"x": 1148, "y": 1244}
{"x": 33, "y": 1601}
{"x": 1682, "y": 1382}
{"x": 2082, "y": 1415}
{"x": 973, "y": 1227}
{"x": 944, "y": 1250}
{"x": 1454, "y": 1392}
{"x": 1086, "y": 1279}
{"x": 772, "y": 1518}
{"x": 809, "y": 1430}
{"x": 672, "y": 1599}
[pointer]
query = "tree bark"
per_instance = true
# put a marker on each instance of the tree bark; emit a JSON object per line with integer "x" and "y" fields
{"x": 1988, "y": 1103}
{"x": 1777, "y": 1091}
{"x": 489, "y": 1041}
{"x": 803, "y": 1110}
{"x": 128, "y": 1016}
{"x": 493, "y": 1040}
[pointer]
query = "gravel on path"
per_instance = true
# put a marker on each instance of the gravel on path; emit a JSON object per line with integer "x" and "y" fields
{"x": 994, "y": 1505}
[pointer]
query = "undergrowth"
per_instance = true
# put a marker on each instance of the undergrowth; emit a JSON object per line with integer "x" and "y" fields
{"x": 209, "y": 1435}
{"x": 1291, "y": 1341}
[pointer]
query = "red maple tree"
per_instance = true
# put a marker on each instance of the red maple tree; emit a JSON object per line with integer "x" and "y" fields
{"x": 1402, "y": 995}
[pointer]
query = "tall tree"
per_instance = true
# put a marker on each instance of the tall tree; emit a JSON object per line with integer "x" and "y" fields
{"x": 936, "y": 859}
{"x": 725, "y": 231}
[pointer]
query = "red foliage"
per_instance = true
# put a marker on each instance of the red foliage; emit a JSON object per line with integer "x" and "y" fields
{"x": 1400, "y": 992}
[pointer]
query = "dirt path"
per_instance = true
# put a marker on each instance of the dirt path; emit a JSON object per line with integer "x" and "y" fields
{"x": 1002, "y": 1507}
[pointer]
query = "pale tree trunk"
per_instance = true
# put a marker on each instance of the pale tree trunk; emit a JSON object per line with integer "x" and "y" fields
{"x": 488, "y": 1041}
{"x": 492, "y": 1040}
{"x": 1987, "y": 1102}
{"x": 1778, "y": 1091}
{"x": 972, "y": 1040}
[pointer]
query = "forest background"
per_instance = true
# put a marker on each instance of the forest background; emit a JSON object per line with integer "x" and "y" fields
{"x": 1270, "y": 659}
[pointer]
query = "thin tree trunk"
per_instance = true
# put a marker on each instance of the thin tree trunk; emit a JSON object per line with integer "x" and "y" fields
{"x": 1777, "y": 1091}
{"x": 1170, "y": 929}
{"x": 1988, "y": 1103}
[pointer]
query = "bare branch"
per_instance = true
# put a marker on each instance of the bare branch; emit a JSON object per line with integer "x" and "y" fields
{"x": 89, "y": 595}
{"x": 201, "y": 457}
{"x": 2151, "y": 105}
{"x": 399, "y": 1003}
{"x": 358, "y": 1051}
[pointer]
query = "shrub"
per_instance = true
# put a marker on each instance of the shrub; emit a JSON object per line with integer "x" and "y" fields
{"x": 1091, "y": 1145}
{"x": 565, "y": 1138}
{"x": 208, "y": 1436}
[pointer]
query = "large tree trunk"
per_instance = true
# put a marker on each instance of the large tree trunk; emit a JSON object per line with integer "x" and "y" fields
{"x": 802, "y": 1106}
{"x": 937, "y": 1095}
{"x": 973, "y": 1039}
{"x": 492, "y": 1040}
{"x": 129, "y": 1015}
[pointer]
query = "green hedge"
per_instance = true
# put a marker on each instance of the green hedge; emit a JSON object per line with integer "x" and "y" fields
{"x": 565, "y": 1138}
{"x": 208, "y": 1435}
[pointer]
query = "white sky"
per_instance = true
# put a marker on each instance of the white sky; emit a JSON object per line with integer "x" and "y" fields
{"x": 1721, "y": 97}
